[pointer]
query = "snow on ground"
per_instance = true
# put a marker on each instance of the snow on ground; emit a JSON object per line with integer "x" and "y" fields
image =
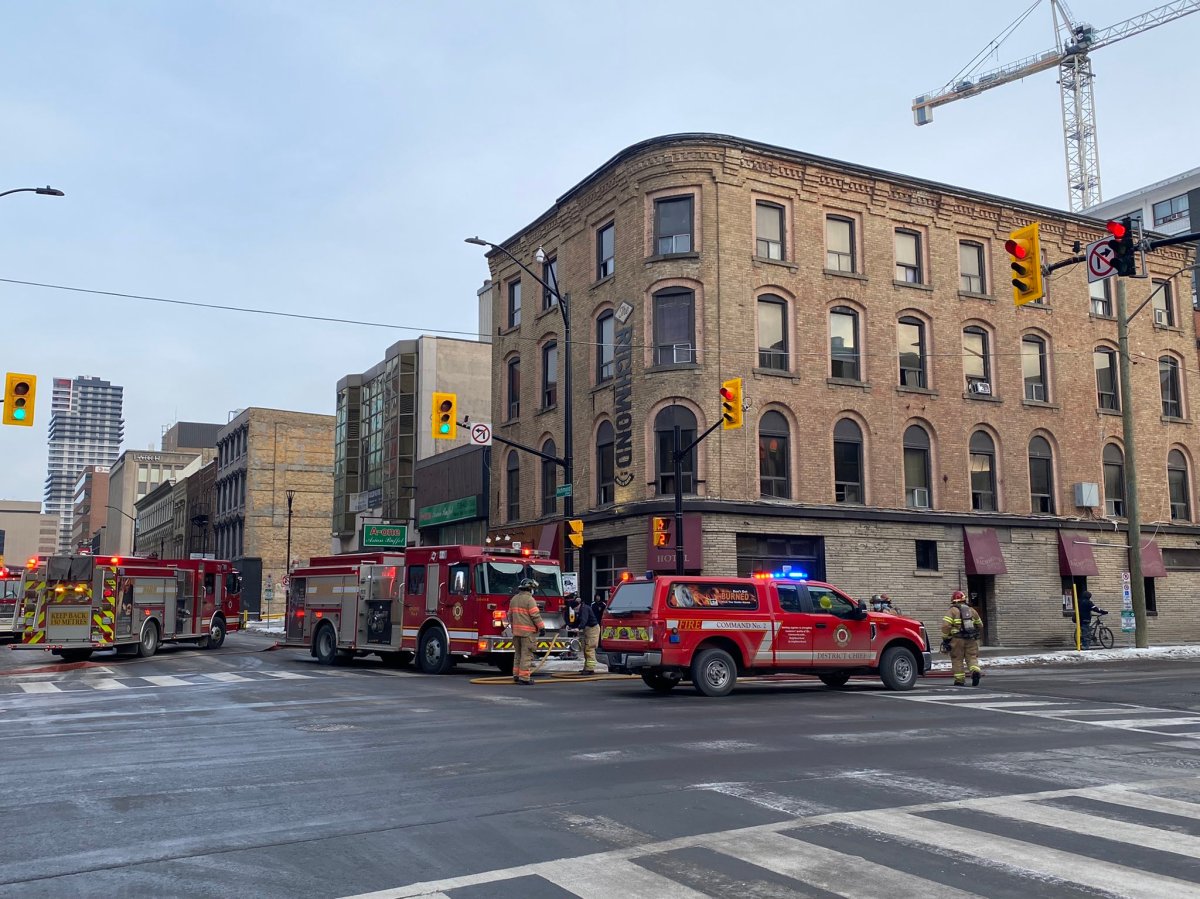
{"x": 265, "y": 627}
{"x": 1072, "y": 657}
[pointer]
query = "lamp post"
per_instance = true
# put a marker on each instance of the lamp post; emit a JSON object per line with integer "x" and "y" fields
{"x": 131, "y": 518}
{"x": 46, "y": 191}
{"x": 287, "y": 563}
{"x": 566, "y": 461}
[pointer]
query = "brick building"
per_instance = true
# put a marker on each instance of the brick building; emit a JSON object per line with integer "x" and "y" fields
{"x": 908, "y": 428}
{"x": 91, "y": 506}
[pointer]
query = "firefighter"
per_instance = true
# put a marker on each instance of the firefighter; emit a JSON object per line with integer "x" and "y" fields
{"x": 526, "y": 622}
{"x": 962, "y": 627}
{"x": 583, "y": 619}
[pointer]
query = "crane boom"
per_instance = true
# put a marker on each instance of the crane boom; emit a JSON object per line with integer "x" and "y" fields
{"x": 1147, "y": 20}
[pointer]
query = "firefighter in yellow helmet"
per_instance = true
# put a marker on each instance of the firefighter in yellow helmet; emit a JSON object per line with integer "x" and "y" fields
{"x": 525, "y": 619}
{"x": 962, "y": 627}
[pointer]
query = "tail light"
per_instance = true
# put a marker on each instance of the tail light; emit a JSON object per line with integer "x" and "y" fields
{"x": 500, "y": 618}
{"x": 319, "y": 614}
{"x": 299, "y": 613}
{"x": 481, "y": 646}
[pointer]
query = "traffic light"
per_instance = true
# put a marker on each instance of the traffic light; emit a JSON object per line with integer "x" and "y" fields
{"x": 445, "y": 416}
{"x": 19, "y": 394}
{"x": 1025, "y": 247}
{"x": 575, "y": 531}
{"x": 731, "y": 404}
{"x": 1124, "y": 258}
{"x": 662, "y": 532}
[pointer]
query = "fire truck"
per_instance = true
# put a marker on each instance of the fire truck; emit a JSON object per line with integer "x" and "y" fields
{"x": 435, "y": 604}
{"x": 10, "y": 604}
{"x": 74, "y": 605}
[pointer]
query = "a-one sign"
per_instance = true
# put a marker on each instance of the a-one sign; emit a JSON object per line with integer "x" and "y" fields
{"x": 1099, "y": 260}
{"x": 481, "y": 433}
{"x": 388, "y": 536}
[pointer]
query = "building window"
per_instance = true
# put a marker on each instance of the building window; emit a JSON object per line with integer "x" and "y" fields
{"x": 606, "y": 248}
{"x": 514, "y": 303}
{"x": 844, "y": 359}
{"x": 927, "y": 556}
{"x": 772, "y": 333}
{"x": 550, "y": 279}
{"x": 1114, "y": 481}
{"x": 1170, "y": 210}
{"x": 1041, "y": 476}
{"x": 916, "y": 468}
{"x": 768, "y": 231}
{"x": 512, "y": 487}
{"x": 605, "y": 347}
{"x": 848, "y": 462}
{"x": 673, "y": 225}
{"x": 912, "y": 352}
{"x": 1033, "y": 368}
{"x": 1177, "y": 482}
{"x": 971, "y": 267}
{"x": 514, "y": 388}
{"x": 1104, "y": 360}
{"x": 773, "y": 456}
{"x": 549, "y": 479}
{"x": 839, "y": 243}
{"x": 1101, "y": 298}
{"x": 983, "y": 472}
{"x": 550, "y": 375}
{"x": 1163, "y": 304}
{"x": 1168, "y": 379}
{"x": 977, "y": 360}
{"x": 674, "y": 327}
{"x": 606, "y": 470}
{"x": 664, "y": 441}
{"x": 908, "y": 257}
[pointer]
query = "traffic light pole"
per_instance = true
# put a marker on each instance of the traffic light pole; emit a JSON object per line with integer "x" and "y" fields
{"x": 1137, "y": 586}
{"x": 677, "y": 457}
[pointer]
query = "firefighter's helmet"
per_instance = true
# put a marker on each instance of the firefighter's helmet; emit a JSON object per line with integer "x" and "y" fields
{"x": 958, "y": 596}
{"x": 528, "y": 584}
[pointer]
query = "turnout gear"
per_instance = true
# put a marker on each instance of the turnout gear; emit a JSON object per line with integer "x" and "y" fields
{"x": 962, "y": 627}
{"x": 525, "y": 619}
{"x": 583, "y": 618}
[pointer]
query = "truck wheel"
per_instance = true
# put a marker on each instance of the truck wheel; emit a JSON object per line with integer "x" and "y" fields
{"x": 837, "y": 679}
{"x": 325, "y": 645}
{"x": 660, "y": 683}
{"x": 216, "y": 634}
{"x": 898, "y": 668}
{"x": 504, "y": 663}
{"x": 433, "y": 657}
{"x": 149, "y": 644}
{"x": 714, "y": 672}
{"x": 74, "y": 655}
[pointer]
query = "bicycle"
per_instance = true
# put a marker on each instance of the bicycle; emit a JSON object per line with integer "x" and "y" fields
{"x": 1098, "y": 632}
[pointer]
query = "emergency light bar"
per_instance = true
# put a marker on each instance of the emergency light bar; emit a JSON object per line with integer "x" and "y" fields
{"x": 524, "y": 552}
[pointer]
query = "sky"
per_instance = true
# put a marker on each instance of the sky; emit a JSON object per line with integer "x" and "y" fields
{"x": 328, "y": 158}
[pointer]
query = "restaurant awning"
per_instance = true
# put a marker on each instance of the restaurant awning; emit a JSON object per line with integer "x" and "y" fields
{"x": 1075, "y": 557}
{"x": 1152, "y": 560}
{"x": 981, "y": 552}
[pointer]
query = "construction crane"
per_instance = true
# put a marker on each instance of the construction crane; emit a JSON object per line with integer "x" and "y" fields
{"x": 1074, "y": 42}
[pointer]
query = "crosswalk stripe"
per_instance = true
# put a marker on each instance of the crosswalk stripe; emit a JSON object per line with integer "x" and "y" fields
{"x": 40, "y": 687}
{"x": 1133, "y": 723}
{"x": 165, "y": 680}
{"x": 107, "y": 683}
{"x": 1067, "y": 713}
{"x": 603, "y": 878}
{"x": 1124, "y": 796}
{"x": 1090, "y": 872}
{"x": 287, "y": 675}
{"x": 827, "y": 868}
{"x": 227, "y": 677}
{"x": 1006, "y": 704}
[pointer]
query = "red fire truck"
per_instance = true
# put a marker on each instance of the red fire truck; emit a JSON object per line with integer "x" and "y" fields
{"x": 74, "y": 605}
{"x": 10, "y": 604}
{"x": 437, "y": 604}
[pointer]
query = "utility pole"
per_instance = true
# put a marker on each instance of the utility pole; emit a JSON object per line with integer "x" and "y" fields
{"x": 1137, "y": 584}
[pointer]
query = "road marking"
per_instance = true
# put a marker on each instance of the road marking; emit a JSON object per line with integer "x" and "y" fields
{"x": 600, "y": 878}
{"x": 41, "y": 687}
{"x": 286, "y": 675}
{"x": 108, "y": 683}
{"x": 165, "y": 680}
{"x": 228, "y": 677}
{"x": 1136, "y": 723}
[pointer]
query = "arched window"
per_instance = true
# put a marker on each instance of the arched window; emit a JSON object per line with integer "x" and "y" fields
{"x": 1177, "y": 482}
{"x": 1108, "y": 395}
{"x": 1033, "y": 368}
{"x": 550, "y": 375}
{"x": 983, "y": 472}
{"x": 1168, "y": 380}
{"x": 848, "y": 462}
{"x": 916, "y": 468}
{"x": 549, "y": 479}
{"x": 913, "y": 353}
{"x": 977, "y": 364}
{"x": 844, "y": 357}
{"x": 773, "y": 456}
{"x": 512, "y": 487}
{"x": 606, "y": 469}
{"x": 674, "y": 326}
{"x": 1041, "y": 476}
{"x": 605, "y": 346}
{"x": 664, "y": 442}
{"x": 514, "y": 387}
{"x": 1114, "y": 481}
{"x": 772, "y": 333}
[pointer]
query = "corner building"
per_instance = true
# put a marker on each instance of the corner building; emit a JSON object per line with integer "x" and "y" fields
{"x": 909, "y": 429}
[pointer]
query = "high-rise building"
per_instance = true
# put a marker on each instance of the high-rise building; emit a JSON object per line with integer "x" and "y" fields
{"x": 86, "y": 428}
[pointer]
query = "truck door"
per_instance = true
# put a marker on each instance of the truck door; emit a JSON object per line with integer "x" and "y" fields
{"x": 838, "y": 639}
{"x": 295, "y": 611}
{"x": 124, "y": 623}
{"x": 793, "y": 627}
{"x": 433, "y": 588}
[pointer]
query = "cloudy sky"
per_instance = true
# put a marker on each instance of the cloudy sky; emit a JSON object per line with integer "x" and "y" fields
{"x": 329, "y": 157}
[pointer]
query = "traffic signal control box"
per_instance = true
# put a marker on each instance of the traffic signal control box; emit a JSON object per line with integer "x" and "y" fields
{"x": 1025, "y": 253}
{"x": 20, "y": 391}
{"x": 445, "y": 416}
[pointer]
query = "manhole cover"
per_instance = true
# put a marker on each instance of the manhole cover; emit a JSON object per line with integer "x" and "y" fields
{"x": 325, "y": 728}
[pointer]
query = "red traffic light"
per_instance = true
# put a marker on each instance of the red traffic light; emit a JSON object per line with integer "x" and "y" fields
{"x": 1015, "y": 249}
{"x": 726, "y": 393}
{"x": 1116, "y": 229}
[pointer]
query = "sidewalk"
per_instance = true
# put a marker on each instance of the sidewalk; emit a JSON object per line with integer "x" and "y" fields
{"x": 1027, "y": 656}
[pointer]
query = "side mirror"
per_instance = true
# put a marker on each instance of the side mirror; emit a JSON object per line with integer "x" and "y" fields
{"x": 859, "y": 613}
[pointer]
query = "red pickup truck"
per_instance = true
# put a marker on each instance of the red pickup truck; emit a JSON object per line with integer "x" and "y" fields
{"x": 711, "y": 630}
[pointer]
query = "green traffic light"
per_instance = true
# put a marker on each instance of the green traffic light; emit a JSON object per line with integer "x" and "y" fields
{"x": 18, "y": 414}
{"x": 444, "y": 427}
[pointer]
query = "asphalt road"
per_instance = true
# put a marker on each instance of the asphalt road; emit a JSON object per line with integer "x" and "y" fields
{"x": 258, "y": 773}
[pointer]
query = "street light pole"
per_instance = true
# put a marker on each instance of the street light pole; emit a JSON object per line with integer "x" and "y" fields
{"x": 287, "y": 562}
{"x": 46, "y": 191}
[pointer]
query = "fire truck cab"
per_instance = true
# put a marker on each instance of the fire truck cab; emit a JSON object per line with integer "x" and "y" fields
{"x": 434, "y": 604}
{"x": 11, "y": 591}
{"x": 75, "y": 605}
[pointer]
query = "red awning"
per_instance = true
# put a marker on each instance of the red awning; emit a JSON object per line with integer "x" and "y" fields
{"x": 981, "y": 552}
{"x": 548, "y": 540}
{"x": 1152, "y": 560}
{"x": 1075, "y": 557}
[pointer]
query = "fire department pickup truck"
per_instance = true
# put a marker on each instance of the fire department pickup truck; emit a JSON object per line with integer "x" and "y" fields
{"x": 711, "y": 630}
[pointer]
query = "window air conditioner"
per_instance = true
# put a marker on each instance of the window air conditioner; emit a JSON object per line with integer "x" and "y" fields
{"x": 1087, "y": 495}
{"x": 981, "y": 387}
{"x": 1037, "y": 392}
{"x": 1160, "y": 316}
{"x": 921, "y": 497}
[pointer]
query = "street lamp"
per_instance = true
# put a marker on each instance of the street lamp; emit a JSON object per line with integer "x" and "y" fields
{"x": 287, "y": 562}
{"x": 46, "y": 191}
{"x": 568, "y": 419}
